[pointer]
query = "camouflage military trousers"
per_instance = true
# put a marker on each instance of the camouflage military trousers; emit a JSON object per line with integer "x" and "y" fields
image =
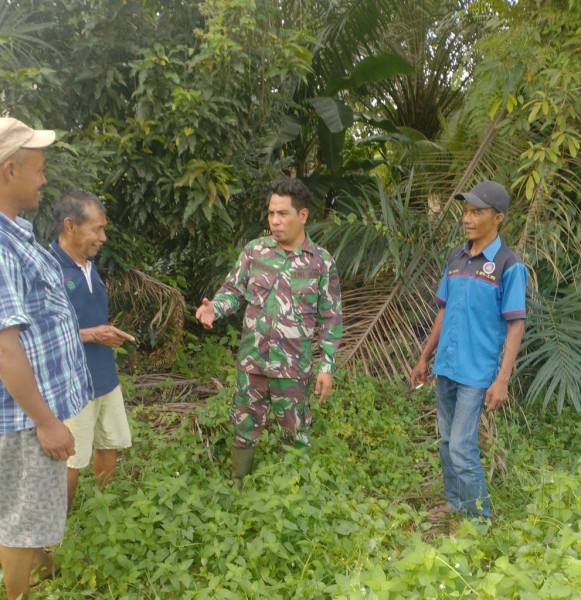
{"x": 253, "y": 397}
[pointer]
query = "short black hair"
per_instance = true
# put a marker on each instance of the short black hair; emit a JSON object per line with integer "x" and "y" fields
{"x": 72, "y": 205}
{"x": 295, "y": 188}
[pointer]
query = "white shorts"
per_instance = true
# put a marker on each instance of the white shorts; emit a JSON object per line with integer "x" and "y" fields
{"x": 102, "y": 425}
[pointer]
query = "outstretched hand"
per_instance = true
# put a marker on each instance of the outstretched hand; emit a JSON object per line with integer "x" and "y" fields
{"x": 108, "y": 335}
{"x": 205, "y": 314}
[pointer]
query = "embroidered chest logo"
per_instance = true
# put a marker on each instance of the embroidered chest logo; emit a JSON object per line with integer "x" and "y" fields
{"x": 488, "y": 268}
{"x": 70, "y": 284}
{"x": 487, "y": 272}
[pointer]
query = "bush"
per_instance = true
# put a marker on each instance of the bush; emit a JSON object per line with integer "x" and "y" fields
{"x": 344, "y": 521}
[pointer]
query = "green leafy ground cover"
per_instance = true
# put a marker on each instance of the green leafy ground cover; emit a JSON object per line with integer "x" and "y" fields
{"x": 346, "y": 521}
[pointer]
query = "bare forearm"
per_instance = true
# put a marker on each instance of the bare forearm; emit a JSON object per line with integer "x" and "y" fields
{"x": 420, "y": 371}
{"x": 433, "y": 338}
{"x": 87, "y": 335}
{"x": 497, "y": 393}
{"x": 514, "y": 336}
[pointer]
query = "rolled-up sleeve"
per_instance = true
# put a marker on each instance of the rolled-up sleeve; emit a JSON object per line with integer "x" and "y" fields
{"x": 11, "y": 293}
{"x": 514, "y": 285}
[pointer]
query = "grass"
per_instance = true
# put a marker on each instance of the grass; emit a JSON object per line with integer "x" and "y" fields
{"x": 345, "y": 521}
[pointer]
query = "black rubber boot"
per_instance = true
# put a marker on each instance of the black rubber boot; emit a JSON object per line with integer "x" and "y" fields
{"x": 242, "y": 461}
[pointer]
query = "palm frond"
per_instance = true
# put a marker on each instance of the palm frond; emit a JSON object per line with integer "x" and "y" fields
{"x": 550, "y": 357}
{"x": 373, "y": 232}
{"x": 385, "y": 324}
{"x": 429, "y": 34}
{"x": 150, "y": 304}
{"x": 20, "y": 37}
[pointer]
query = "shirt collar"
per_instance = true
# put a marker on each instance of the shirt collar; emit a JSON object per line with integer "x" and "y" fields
{"x": 21, "y": 228}
{"x": 62, "y": 256}
{"x": 307, "y": 245}
{"x": 489, "y": 252}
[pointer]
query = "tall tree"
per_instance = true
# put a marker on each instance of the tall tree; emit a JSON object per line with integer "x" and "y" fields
{"x": 519, "y": 125}
{"x": 166, "y": 107}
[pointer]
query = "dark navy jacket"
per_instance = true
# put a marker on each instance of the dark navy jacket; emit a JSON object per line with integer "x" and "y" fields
{"x": 92, "y": 310}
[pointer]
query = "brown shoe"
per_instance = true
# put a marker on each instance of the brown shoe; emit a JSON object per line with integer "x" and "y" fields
{"x": 440, "y": 512}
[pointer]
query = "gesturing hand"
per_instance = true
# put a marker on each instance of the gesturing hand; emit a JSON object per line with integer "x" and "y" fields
{"x": 205, "y": 313}
{"x": 109, "y": 335}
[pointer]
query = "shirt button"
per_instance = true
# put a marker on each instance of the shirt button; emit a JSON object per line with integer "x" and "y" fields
{"x": 469, "y": 262}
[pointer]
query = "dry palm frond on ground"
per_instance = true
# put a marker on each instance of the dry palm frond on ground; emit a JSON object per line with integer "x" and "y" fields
{"x": 153, "y": 304}
{"x": 171, "y": 389}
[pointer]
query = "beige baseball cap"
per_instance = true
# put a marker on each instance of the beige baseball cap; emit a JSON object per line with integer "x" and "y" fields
{"x": 14, "y": 134}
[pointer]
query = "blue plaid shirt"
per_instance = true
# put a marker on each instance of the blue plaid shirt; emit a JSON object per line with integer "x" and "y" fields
{"x": 33, "y": 298}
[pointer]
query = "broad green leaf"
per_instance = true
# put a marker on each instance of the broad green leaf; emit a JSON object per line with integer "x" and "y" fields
{"x": 556, "y": 586}
{"x": 331, "y": 145}
{"x": 336, "y": 115}
{"x": 288, "y": 131}
{"x": 372, "y": 69}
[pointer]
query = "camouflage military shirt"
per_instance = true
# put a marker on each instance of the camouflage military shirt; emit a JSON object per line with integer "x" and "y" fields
{"x": 287, "y": 294}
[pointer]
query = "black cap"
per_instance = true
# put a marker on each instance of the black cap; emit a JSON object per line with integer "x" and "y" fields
{"x": 487, "y": 194}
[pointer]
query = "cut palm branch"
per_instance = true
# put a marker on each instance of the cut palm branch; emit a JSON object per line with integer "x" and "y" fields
{"x": 153, "y": 303}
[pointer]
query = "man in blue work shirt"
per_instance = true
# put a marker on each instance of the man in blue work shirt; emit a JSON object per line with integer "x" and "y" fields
{"x": 101, "y": 428}
{"x": 481, "y": 301}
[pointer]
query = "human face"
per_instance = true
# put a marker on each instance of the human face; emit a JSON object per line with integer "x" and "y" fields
{"x": 85, "y": 239}
{"x": 480, "y": 225}
{"x": 27, "y": 178}
{"x": 286, "y": 223}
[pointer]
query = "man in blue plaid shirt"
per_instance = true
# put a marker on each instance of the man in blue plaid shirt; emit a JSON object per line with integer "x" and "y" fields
{"x": 43, "y": 372}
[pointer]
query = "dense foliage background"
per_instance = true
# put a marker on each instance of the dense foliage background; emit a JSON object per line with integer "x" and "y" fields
{"x": 179, "y": 113}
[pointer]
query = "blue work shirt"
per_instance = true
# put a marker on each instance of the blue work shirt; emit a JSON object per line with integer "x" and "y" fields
{"x": 479, "y": 294}
{"x": 92, "y": 310}
{"x": 32, "y": 298}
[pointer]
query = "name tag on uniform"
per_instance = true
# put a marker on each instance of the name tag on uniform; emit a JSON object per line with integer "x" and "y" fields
{"x": 304, "y": 274}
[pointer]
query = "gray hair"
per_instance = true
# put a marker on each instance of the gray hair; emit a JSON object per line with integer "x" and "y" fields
{"x": 72, "y": 205}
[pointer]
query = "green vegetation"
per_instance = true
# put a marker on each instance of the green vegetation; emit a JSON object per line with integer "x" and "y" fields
{"x": 179, "y": 113}
{"x": 345, "y": 521}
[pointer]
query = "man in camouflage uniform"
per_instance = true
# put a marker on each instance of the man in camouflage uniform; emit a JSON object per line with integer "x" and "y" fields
{"x": 289, "y": 286}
